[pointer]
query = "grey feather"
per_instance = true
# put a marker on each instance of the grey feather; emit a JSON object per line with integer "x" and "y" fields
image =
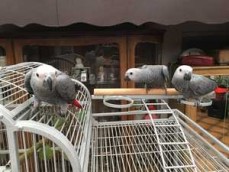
{"x": 27, "y": 82}
{"x": 165, "y": 73}
{"x": 65, "y": 87}
{"x": 50, "y": 85}
{"x": 155, "y": 76}
{"x": 195, "y": 87}
{"x": 201, "y": 85}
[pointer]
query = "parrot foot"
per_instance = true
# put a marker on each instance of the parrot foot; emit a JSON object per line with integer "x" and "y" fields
{"x": 61, "y": 113}
{"x": 146, "y": 88}
{"x": 32, "y": 111}
{"x": 63, "y": 110}
{"x": 165, "y": 87}
{"x": 34, "y": 108}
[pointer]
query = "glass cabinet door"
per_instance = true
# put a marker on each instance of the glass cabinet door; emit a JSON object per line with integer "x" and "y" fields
{"x": 146, "y": 53}
{"x": 97, "y": 66}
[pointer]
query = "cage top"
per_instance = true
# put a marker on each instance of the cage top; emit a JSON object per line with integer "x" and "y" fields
{"x": 12, "y": 89}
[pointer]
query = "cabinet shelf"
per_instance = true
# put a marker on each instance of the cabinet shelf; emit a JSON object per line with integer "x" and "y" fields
{"x": 211, "y": 70}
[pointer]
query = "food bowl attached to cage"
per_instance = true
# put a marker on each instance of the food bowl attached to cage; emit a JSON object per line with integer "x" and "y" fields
{"x": 192, "y": 102}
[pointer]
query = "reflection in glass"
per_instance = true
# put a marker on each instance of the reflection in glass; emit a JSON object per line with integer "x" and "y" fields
{"x": 96, "y": 65}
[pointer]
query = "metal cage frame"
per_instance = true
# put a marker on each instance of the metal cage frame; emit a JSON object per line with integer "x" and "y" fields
{"x": 82, "y": 142}
{"x": 15, "y": 110}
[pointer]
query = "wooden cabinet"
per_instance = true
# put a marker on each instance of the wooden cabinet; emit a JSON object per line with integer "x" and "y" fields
{"x": 6, "y": 52}
{"x": 62, "y": 53}
{"x": 105, "y": 58}
{"x": 113, "y": 54}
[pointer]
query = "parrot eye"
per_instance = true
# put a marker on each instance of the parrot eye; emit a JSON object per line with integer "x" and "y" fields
{"x": 131, "y": 73}
{"x": 180, "y": 70}
{"x": 37, "y": 74}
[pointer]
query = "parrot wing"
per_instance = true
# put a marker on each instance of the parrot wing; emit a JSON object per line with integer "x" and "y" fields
{"x": 143, "y": 67}
{"x": 65, "y": 87}
{"x": 201, "y": 85}
{"x": 165, "y": 73}
{"x": 27, "y": 81}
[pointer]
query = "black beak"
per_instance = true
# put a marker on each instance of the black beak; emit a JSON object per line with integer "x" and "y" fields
{"x": 127, "y": 78}
{"x": 187, "y": 76}
{"x": 49, "y": 83}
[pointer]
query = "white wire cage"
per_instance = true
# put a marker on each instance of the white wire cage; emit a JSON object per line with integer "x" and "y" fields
{"x": 43, "y": 141}
{"x": 82, "y": 142}
{"x": 171, "y": 142}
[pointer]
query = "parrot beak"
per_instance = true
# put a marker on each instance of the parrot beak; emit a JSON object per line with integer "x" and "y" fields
{"x": 77, "y": 103}
{"x": 127, "y": 78}
{"x": 48, "y": 81}
{"x": 187, "y": 76}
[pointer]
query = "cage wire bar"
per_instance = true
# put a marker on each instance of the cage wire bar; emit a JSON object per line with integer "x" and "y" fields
{"x": 81, "y": 141}
{"x": 169, "y": 143}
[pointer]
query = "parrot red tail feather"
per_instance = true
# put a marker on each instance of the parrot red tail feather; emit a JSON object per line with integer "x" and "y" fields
{"x": 77, "y": 103}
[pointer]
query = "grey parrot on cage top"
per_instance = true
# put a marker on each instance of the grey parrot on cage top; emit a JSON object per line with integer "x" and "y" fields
{"x": 153, "y": 76}
{"x": 192, "y": 86}
{"x": 50, "y": 85}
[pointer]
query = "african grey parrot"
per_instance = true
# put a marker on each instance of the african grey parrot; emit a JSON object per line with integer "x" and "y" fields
{"x": 50, "y": 85}
{"x": 192, "y": 86}
{"x": 153, "y": 76}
